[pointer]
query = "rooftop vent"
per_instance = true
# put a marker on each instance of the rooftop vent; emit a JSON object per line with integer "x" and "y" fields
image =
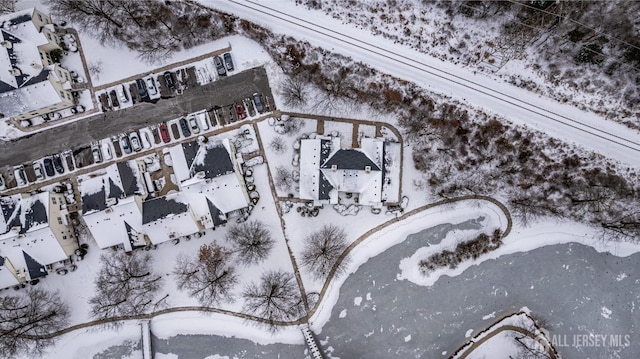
{"x": 15, "y": 71}
{"x": 7, "y": 44}
{"x": 367, "y": 169}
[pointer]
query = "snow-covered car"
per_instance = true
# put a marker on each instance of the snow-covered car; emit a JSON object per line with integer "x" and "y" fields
{"x": 204, "y": 123}
{"x": 219, "y": 66}
{"x": 106, "y": 150}
{"x": 135, "y": 141}
{"x": 37, "y": 169}
{"x": 193, "y": 123}
{"x": 97, "y": 155}
{"x": 20, "y": 176}
{"x": 122, "y": 94}
{"x": 151, "y": 86}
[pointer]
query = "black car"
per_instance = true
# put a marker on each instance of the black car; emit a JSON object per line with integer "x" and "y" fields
{"x": 228, "y": 61}
{"x": 48, "y": 167}
{"x": 258, "y": 101}
{"x": 142, "y": 88}
{"x": 168, "y": 78}
{"x": 57, "y": 163}
{"x": 220, "y": 66}
{"x": 185, "y": 128}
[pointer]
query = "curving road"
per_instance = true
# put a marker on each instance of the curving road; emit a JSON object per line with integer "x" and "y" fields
{"x": 561, "y": 121}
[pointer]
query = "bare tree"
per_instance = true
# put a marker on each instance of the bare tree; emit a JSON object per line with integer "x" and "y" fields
{"x": 322, "y": 249}
{"x": 283, "y": 178}
{"x": 626, "y": 227}
{"x": 125, "y": 285}
{"x": 27, "y": 320}
{"x": 7, "y": 6}
{"x": 209, "y": 277}
{"x": 275, "y": 298}
{"x": 252, "y": 241}
{"x": 294, "y": 92}
{"x": 278, "y": 145}
{"x": 102, "y": 19}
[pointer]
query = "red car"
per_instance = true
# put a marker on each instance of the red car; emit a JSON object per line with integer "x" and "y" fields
{"x": 164, "y": 133}
{"x": 240, "y": 112}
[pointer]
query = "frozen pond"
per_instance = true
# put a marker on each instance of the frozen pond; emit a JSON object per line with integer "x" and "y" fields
{"x": 575, "y": 289}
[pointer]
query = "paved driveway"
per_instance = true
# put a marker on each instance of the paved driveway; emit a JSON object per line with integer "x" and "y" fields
{"x": 223, "y": 92}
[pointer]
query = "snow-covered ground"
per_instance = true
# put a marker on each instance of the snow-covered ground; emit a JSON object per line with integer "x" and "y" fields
{"x": 515, "y": 104}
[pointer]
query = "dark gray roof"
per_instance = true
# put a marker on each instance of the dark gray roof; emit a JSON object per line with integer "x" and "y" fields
{"x": 128, "y": 179}
{"x": 161, "y": 207}
{"x": 94, "y": 202}
{"x": 36, "y": 270}
{"x": 324, "y": 187}
{"x": 217, "y": 161}
{"x": 325, "y": 149}
{"x": 10, "y": 215}
{"x": 1, "y": 263}
{"x": 20, "y": 19}
{"x": 216, "y": 214}
{"x": 132, "y": 234}
{"x": 35, "y": 215}
{"x": 350, "y": 159}
{"x": 190, "y": 150}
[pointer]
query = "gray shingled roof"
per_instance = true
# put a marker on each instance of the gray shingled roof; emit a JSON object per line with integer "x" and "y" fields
{"x": 216, "y": 163}
{"x": 94, "y": 202}
{"x": 128, "y": 179}
{"x": 132, "y": 235}
{"x": 350, "y": 159}
{"x": 35, "y": 215}
{"x": 161, "y": 207}
{"x": 216, "y": 214}
{"x": 324, "y": 187}
{"x": 36, "y": 270}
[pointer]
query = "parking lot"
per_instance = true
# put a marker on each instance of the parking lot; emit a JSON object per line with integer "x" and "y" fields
{"x": 219, "y": 98}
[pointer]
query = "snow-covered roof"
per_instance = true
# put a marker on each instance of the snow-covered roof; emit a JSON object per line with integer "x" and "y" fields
{"x": 208, "y": 160}
{"x": 227, "y": 193}
{"x": 22, "y": 215}
{"x": 169, "y": 218}
{"x": 116, "y": 225}
{"x": 326, "y": 169}
{"x": 109, "y": 185}
{"x": 7, "y": 277}
{"x": 24, "y": 82}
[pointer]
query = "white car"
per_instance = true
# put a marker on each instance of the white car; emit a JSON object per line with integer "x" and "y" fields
{"x": 151, "y": 87}
{"x": 20, "y": 176}
{"x": 135, "y": 141}
{"x": 3, "y": 186}
{"x": 122, "y": 94}
{"x": 37, "y": 169}
{"x": 97, "y": 154}
{"x": 202, "y": 116}
{"x": 106, "y": 150}
{"x": 193, "y": 123}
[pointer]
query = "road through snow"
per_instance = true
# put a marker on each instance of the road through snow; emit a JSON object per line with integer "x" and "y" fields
{"x": 518, "y": 105}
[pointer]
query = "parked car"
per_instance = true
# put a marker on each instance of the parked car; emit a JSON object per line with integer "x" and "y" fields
{"x": 228, "y": 61}
{"x": 164, "y": 133}
{"x": 240, "y": 111}
{"x": 193, "y": 122}
{"x": 168, "y": 78}
{"x": 219, "y": 66}
{"x": 204, "y": 123}
{"x": 114, "y": 98}
{"x": 3, "y": 184}
{"x": 20, "y": 176}
{"x": 37, "y": 169}
{"x": 57, "y": 163}
{"x": 135, "y": 141}
{"x": 97, "y": 154}
{"x": 125, "y": 144}
{"x": 142, "y": 88}
{"x": 48, "y": 167}
{"x": 151, "y": 86}
{"x": 184, "y": 127}
{"x": 106, "y": 150}
{"x": 258, "y": 101}
{"x": 122, "y": 94}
